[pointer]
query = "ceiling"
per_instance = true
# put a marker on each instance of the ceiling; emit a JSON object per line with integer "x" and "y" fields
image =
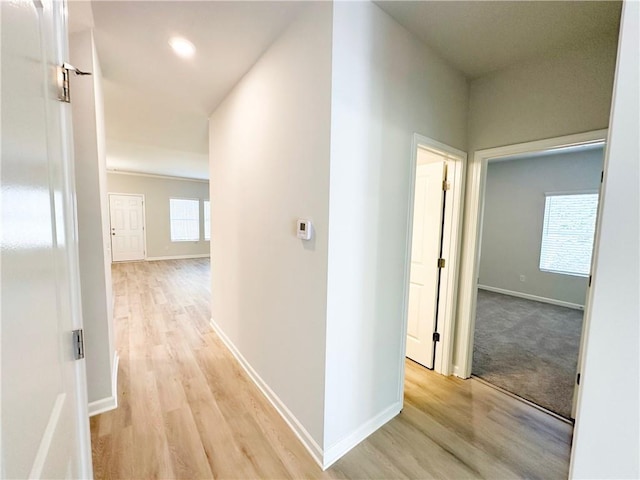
{"x": 155, "y": 99}
{"x": 479, "y": 37}
{"x": 157, "y": 104}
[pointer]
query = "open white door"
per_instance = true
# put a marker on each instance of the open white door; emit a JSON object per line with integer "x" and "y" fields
{"x": 126, "y": 213}
{"x": 44, "y": 421}
{"x": 425, "y": 252}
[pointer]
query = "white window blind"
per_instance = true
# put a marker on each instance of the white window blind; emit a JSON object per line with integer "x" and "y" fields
{"x": 567, "y": 233}
{"x": 207, "y": 220}
{"x": 185, "y": 219}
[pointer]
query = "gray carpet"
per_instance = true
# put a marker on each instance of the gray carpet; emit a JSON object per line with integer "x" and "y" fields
{"x": 528, "y": 348}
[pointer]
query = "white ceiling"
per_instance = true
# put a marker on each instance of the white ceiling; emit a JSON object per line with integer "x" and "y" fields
{"x": 157, "y": 105}
{"x": 154, "y": 98}
{"x": 478, "y": 37}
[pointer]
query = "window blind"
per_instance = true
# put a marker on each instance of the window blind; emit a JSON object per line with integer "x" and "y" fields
{"x": 567, "y": 233}
{"x": 185, "y": 219}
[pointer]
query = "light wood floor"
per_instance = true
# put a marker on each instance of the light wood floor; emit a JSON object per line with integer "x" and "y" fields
{"x": 187, "y": 409}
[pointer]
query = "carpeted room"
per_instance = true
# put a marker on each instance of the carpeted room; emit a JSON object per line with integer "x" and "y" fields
{"x": 537, "y": 236}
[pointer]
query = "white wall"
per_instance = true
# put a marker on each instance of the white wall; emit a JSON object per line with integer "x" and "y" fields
{"x": 513, "y": 218}
{"x": 607, "y": 433}
{"x": 95, "y": 268}
{"x": 269, "y": 157}
{"x": 386, "y": 85}
{"x": 157, "y": 191}
{"x": 270, "y": 161}
{"x": 560, "y": 94}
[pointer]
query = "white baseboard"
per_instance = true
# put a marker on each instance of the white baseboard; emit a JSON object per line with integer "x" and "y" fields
{"x": 302, "y": 434}
{"x": 111, "y": 402}
{"x": 114, "y": 375}
{"x": 340, "y": 448}
{"x": 177, "y": 257}
{"x": 528, "y": 296}
{"x": 103, "y": 405}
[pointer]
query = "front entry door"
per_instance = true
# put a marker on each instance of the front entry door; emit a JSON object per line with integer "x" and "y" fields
{"x": 44, "y": 424}
{"x": 127, "y": 227}
{"x": 425, "y": 251}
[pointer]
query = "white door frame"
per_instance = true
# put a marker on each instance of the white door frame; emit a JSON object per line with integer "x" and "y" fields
{"x": 144, "y": 221}
{"x": 473, "y": 230}
{"x": 452, "y": 229}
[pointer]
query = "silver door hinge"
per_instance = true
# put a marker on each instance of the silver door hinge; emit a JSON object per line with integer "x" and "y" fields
{"x": 78, "y": 344}
{"x": 64, "y": 91}
{"x": 441, "y": 263}
{"x": 445, "y": 185}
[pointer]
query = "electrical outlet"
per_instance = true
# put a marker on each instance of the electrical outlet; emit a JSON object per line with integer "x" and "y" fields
{"x": 523, "y": 278}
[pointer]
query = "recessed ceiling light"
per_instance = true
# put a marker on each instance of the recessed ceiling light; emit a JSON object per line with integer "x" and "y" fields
{"x": 183, "y": 47}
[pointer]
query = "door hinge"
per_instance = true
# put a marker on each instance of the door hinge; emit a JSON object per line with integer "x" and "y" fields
{"x": 589, "y": 280}
{"x": 436, "y": 337}
{"x": 441, "y": 263}
{"x": 445, "y": 185}
{"x": 602, "y": 176}
{"x": 78, "y": 344}
{"x": 578, "y": 379}
{"x": 64, "y": 90}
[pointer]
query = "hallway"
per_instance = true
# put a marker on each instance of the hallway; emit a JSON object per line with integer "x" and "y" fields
{"x": 188, "y": 410}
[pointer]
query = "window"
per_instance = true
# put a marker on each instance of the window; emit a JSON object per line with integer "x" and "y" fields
{"x": 567, "y": 233}
{"x": 184, "y": 215}
{"x": 207, "y": 220}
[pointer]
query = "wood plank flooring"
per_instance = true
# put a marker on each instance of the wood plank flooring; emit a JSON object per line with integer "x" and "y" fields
{"x": 188, "y": 410}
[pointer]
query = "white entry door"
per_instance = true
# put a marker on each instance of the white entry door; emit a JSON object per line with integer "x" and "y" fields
{"x": 127, "y": 227}
{"x": 44, "y": 419}
{"x": 425, "y": 252}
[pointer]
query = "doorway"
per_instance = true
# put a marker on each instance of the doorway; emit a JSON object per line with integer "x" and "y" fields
{"x": 538, "y": 226}
{"x": 476, "y": 271}
{"x": 433, "y": 243}
{"x": 126, "y": 215}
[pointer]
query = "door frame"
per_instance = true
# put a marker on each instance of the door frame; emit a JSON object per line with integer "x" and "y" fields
{"x": 473, "y": 232}
{"x": 144, "y": 223}
{"x": 452, "y": 229}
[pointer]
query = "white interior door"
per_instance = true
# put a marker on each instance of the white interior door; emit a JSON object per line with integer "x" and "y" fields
{"x": 127, "y": 227}
{"x": 44, "y": 420}
{"x": 425, "y": 251}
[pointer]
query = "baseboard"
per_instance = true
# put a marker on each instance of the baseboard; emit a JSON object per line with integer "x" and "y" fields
{"x": 342, "y": 447}
{"x": 528, "y": 296}
{"x": 177, "y": 257}
{"x": 302, "y": 434}
{"x": 114, "y": 375}
{"x": 111, "y": 402}
{"x": 103, "y": 405}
